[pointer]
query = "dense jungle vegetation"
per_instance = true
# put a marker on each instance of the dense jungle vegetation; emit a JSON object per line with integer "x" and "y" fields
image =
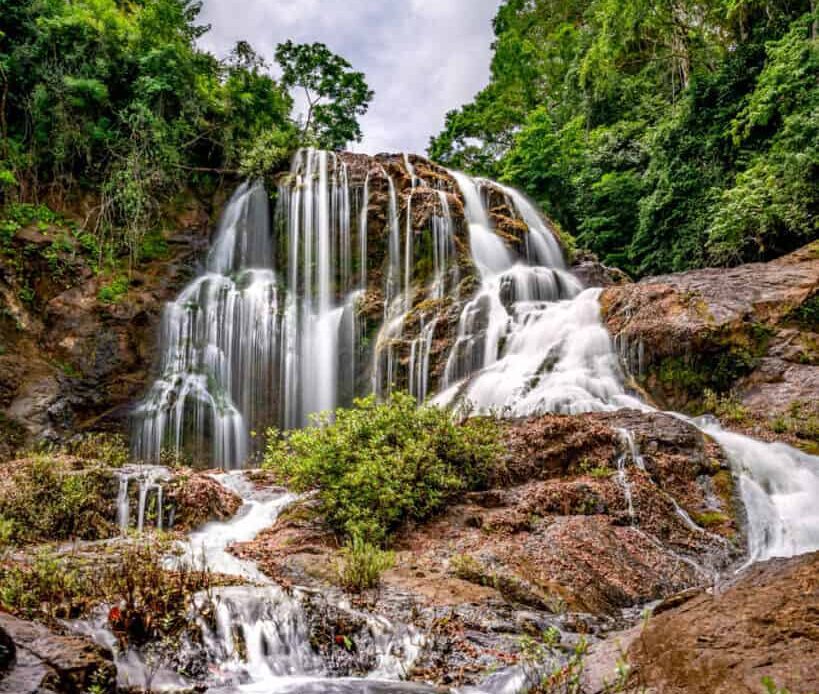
{"x": 663, "y": 134}
{"x": 115, "y": 97}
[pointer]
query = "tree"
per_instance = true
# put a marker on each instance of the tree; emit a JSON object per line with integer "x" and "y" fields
{"x": 336, "y": 94}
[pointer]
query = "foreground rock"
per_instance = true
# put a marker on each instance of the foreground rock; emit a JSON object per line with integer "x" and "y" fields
{"x": 60, "y": 497}
{"x": 39, "y": 660}
{"x": 579, "y": 527}
{"x": 763, "y": 624}
{"x": 749, "y": 334}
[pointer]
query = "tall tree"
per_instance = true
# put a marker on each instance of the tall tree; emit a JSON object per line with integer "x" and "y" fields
{"x": 336, "y": 94}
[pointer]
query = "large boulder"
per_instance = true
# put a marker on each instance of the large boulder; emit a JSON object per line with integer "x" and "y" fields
{"x": 44, "y": 661}
{"x": 742, "y": 342}
{"x": 762, "y": 624}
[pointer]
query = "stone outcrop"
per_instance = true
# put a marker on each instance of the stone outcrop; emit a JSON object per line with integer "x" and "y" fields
{"x": 71, "y": 358}
{"x": 36, "y": 660}
{"x": 725, "y": 640}
{"x": 556, "y": 537}
{"x": 742, "y": 342}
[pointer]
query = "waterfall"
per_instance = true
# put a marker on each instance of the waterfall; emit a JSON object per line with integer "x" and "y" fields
{"x": 219, "y": 336}
{"x": 275, "y": 328}
{"x": 556, "y": 356}
{"x": 149, "y": 481}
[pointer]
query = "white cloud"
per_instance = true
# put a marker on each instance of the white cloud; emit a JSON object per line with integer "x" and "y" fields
{"x": 422, "y": 57}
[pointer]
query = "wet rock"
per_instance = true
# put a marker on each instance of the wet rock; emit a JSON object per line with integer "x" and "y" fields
{"x": 747, "y": 334}
{"x": 195, "y": 498}
{"x": 44, "y": 661}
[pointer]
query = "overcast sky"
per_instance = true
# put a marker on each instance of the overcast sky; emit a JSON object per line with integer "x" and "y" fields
{"x": 422, "y": 57}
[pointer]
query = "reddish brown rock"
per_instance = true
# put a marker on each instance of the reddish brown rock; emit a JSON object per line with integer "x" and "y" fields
{"x": 69, "y": 361}
{"x": 557, "y": 531}
{"x": 765, "y": 623}
{"x": 748, "y": 334}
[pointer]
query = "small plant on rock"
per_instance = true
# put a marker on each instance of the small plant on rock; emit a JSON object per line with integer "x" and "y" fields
{"x": 360, "y": 565}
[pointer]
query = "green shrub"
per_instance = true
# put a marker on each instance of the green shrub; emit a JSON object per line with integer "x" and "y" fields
{"x": 376, "y": 465}
{"x": 727, "y": 407}
{"x": 49, "y": 500}
{"x": 113, "y": 292}
{"x": 109, "y": 449}
{"x": 47, "y": 588}
{"x": 549, "y": 667}
{"x": 360, "y": 565}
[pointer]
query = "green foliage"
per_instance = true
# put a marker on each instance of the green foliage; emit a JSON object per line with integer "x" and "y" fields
{"x": 662, "y": 136}
{"x": 44, "y": 588}
{"x": 360, "y": 565}
{"x": 112, "y": 292}
{"x": 547, "y": 670}
{"x": 117, "y": 97}
{"x": 336, "y": 94}
{"x": 771, "y": 688}
{"x": 149, "y": 602}
{"x": 378, "y": 465}
{"x": 49, "y": 500}
{"x": 726, "y": 407}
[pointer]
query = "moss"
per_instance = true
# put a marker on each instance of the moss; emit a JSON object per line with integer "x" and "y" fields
{"x": 710, "y": 519}
{"x": 723, "y": 482}
{"x": 153, "y": 246}
{"x": 113, "y": 292}
{"x": 806, "y": 315}
{"x": 689, "y": 377}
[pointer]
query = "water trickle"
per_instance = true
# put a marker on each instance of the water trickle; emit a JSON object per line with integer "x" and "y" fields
{"x": 629, "y": 454}
{"x": 420, "y": 350}
{"x": 443, "y": 249}
{"x": 149, "y": 481}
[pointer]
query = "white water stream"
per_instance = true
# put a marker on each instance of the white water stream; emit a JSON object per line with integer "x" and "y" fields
{"x": 253, "y": 342}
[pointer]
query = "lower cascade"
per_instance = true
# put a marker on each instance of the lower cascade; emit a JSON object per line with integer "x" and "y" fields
{"x": 372, "y": 274}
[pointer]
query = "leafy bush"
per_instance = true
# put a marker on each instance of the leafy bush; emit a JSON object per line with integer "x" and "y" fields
{"x": 377, "y": 465}
{"x": 662, "y": 138}
{"x": 46, "y": 588}
{"x": 360, "y": 565}
{"x": 114, "y": 291}
{"x": 46, "y": 499}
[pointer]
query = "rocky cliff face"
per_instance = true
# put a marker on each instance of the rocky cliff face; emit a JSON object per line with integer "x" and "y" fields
{"x": 742, "y": 343}
{"x": 73, "y": 354}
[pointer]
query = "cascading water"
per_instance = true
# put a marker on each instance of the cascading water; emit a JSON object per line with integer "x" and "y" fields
{"x": 148, "y": 481}
{"x": 272, "y": 331}
{"x": 558, "y": 357}
{"x": 219, "y": 336}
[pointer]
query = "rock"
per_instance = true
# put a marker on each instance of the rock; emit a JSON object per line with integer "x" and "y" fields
{"x": 552, "y": 537}
{"x": 69, "y": 361}
{"x": 764, "y": 623}
{"x": 749, "y": 334}
{"x": 45, "y": 661}
{"x": 196, "y": 498}
{"x": 592, "y": 273}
